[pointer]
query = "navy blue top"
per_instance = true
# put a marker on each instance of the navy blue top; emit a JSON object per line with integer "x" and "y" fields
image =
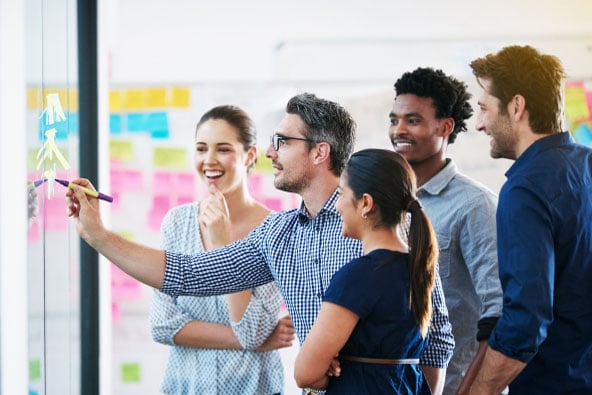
{"x": 544, "y": 231}
{"x": 376, "y": 288}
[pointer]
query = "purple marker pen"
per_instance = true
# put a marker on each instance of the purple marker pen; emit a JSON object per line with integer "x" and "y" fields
{"x": 89, "y": 192}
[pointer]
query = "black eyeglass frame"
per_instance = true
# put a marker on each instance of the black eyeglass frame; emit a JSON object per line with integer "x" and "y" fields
{"x": 276, "y": 138}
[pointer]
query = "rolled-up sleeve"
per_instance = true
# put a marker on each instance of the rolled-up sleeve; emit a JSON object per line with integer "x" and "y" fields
{"x": 166, "y": 318}
{"x": 260, "y": 317}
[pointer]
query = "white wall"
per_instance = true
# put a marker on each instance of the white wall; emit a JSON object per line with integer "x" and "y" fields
{"x": 201, "y": 40}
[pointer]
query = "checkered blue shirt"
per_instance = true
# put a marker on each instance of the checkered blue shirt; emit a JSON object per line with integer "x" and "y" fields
{"x": 301, "y": 254}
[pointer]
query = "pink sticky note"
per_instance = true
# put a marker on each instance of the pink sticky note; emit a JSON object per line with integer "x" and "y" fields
{"x": 115, "y": 312}
{"x": 54, "y": 214}
{"x": 124, "y": 287}
{"x": 255, "y": 184}
{"x": 274, "y": 203}
{"x": 33, "y": 235}
{"x": 134, "y": 180}
{"x": 185, "y": 183}
{"x": 163, "y": 182}
{"x": 117, "y": 180}
{"x": 160, "y": 205}
{"x": 589, "y": 101}
{"x": 185, "y": 199}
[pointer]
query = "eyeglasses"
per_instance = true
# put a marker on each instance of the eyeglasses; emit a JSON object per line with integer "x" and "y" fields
{"x": 277, "y": 138}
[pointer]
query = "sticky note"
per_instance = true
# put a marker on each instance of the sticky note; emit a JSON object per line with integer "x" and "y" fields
{"x": 171, "y": 158}
{"x": 255, "y": 184}
{"x": 130, "y": 372}
{"x": 124, "y": 287}
{"x": 274, "y": 203}
{"x": 115, "y": 312}
{"x": 158, "y": 125}
{"x": 163, "y": 182}
{"x": 115, "y": 123}
{"x": 136, "y": 122}
{"x": 73, "y": 122}
{"x": 34, "y": 369}
{"x": 583, "y": 135}
{"x": 156, "y": 98}
{"x": 135, "y": 99}
{"x": 121, "y": 149}
{"x": 180, "y": 97}
{"x": 34, "y": 98}
{"x": 263, "y": 164}
{"x": 576, "y": 107}
{"x": 160, "y": 206}
{"x": 186, "y": 182}
{"x": 115, "y": 101}
{"x": 72, "y": 100}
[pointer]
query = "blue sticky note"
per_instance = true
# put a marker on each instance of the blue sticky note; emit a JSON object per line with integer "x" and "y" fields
{"x": 73, "y": 122}
{"x": 136, "y": 122}
{"x": 583, "y": 135}
{"x": 60, "y": 127}
{"x": 158, "y": 125}
{"x": 160, "y": 134}
{"x": 115, "y": 123}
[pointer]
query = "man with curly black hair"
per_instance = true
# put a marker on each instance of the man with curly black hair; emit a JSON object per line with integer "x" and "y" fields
{"x": 429, "y": 111}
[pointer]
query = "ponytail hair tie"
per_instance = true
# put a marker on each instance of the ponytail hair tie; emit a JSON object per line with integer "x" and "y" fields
{"x": 414, "y": 205}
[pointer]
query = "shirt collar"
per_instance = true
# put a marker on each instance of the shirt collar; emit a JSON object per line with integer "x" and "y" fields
{"x": 542, "y": 144}
{"x": 328, "y": 207}
{"x": 437, "y": 183}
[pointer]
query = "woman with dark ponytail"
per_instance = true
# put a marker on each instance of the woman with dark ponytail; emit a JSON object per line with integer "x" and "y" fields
{"x": 376, "y": 312}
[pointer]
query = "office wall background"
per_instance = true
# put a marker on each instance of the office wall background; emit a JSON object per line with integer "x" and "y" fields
{"x": 257, "y": 54}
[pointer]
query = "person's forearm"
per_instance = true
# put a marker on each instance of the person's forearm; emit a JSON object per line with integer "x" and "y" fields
{"x": 237, "y": 304}
{"x": 142, "y": 263}
{"x": 497, "y": 371}
{"x": 201, "y": 334}
{"x": 435, "y": 377}
{"x": 476, "y": 363}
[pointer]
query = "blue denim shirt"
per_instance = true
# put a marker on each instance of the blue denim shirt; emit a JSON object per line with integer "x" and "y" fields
{"x": 462, "y": 212}
{"x": 545, "y": 259}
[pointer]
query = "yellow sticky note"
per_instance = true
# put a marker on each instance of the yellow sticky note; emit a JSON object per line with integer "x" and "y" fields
{"x": 34, "y": 99}
{"x": 576, "y": 107}
{"x": 72, "y": 100}
{"x": 156, "y": 97}
{"x": 121, "y": 150}
{"x": 115, "y": 101}
{"x": 181, "y": 97}
{"x": 170, "y": 158}
{"x": 130, "y": 372}
{"x": 135, "y": 99}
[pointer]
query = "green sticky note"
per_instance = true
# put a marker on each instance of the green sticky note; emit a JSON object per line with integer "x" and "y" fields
{"x": 576, "y": 107}
{"x": 122, "y": 150}
{"x": 170, "y": 158}
{"x": 34, "y": 369}
{"x": 264, "y": 164}
{"x": 130, "y": 372}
